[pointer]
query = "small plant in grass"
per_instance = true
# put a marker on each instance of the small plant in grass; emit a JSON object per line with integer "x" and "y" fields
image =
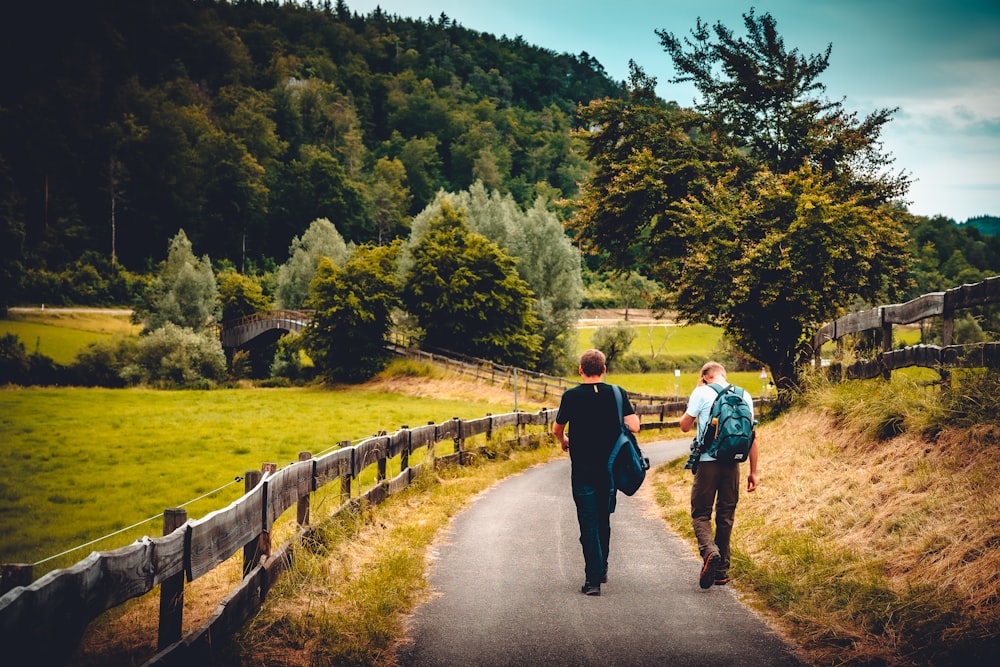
{"x": 409, "y": 368}
{"x": 972, "y": 397}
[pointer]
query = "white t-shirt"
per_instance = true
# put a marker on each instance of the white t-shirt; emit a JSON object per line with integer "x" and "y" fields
{"x": 700, "y": 405}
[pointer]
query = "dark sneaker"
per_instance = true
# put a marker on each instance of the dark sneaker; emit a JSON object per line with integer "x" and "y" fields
{"x": 707, "y": 577}
{"x": 591, "y": 589}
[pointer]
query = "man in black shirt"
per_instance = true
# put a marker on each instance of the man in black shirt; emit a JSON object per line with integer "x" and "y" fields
{"x": 592, "y": 413}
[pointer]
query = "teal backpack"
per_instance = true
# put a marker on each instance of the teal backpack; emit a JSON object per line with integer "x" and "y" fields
{"x": 730, "y": 432}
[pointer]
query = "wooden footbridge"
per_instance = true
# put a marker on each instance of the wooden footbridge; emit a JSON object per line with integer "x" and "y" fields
{"x": 261, "y": 329}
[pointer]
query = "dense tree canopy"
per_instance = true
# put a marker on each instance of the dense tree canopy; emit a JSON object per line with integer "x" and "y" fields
{"x": 242, "y": 122}
{"x": 320, "y": 240}
{"x": 545, "y": 258}
{"x": 184, "y": 292}
{"x": 766, "y": 210}
{"x": 354, "y": 306}
{"x": 466, "y": 294}
{"x": 253, "y": 124}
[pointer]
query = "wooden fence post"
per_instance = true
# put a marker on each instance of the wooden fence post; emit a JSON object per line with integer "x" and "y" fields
{"x": 172, "y": 589}
{"x": 381, "y": 463}
{"x": 886, "y": 345}
{"x": 947, "y": 331}
{"x": 264, "y": 541}
{"x": 459, "y": 443}
{"x": 302, "y": 514}
{"x": 404, "y": 454}
{"x": 345, "y": 476}
{"x": 250, "y": 480}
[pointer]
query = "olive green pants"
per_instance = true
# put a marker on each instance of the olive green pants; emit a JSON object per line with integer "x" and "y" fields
{"x": 718, "y": 485}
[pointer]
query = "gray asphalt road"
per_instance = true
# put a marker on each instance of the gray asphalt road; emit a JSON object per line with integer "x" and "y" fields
{"x": 507, "y": 588}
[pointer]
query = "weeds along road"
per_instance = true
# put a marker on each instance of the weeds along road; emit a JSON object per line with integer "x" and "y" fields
{"x": 506, "y": 583}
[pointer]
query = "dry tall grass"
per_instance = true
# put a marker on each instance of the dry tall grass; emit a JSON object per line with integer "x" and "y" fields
{"x": 870, "y": 548}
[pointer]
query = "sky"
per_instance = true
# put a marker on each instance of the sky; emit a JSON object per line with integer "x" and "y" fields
{"x": 938, "y": 61}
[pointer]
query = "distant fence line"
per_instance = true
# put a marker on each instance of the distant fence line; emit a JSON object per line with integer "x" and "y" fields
{"x": 42, "y": 622}
{"x": 936, "y": 304}
{"x": 488, "y": 371}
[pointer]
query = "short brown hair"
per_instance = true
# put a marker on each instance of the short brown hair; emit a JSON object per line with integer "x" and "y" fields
{"x": 592, "y": 362}
{"x": 713, "y": 368}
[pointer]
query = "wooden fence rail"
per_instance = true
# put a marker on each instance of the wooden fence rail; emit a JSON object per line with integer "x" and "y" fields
{"x": 485, "y": 370}
{"x": 936, "y": 304}
{"x": 42, "y": 622}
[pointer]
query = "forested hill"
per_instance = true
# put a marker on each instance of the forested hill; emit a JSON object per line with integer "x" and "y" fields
{"x": 122, "y": 121}
{"x": 986, "y": 224}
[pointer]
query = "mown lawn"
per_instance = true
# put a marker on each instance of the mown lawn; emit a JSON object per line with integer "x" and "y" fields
{"x": 682, "y": 345}
{"x": 60, "y": 335}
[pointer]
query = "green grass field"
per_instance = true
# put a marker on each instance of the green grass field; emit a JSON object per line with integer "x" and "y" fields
{"x": 82, "y": 463}
{"x": 687, "y": 346}
{"x": 60, "y": 335}
{"x": 684, "y": 345}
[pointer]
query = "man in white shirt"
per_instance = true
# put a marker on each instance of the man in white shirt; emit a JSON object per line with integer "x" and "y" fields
{"x": 715, "y": 483}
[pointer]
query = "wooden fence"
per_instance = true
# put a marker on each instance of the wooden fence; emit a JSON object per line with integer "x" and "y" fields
{"x": 484, "y": 370}
{"x": 936, "y": 304}
{"x": 42, "y": 622}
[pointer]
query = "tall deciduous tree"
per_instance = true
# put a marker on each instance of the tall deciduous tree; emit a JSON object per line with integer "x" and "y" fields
{"x": 389, "y": 197}
{"x": 545, "y": 256}
{"x": 466, "y": 294}
{"x": 354, "y": 306}
{"x": 241, "y": 295}
{"x": 767, "y": 210}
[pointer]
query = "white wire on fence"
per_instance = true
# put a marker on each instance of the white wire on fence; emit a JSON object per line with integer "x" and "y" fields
{"x": 134, "y": 525}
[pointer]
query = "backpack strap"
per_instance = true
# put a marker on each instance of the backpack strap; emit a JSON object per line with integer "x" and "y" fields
{"x": 700, "y": 442}
{"x": 618, "y": 399}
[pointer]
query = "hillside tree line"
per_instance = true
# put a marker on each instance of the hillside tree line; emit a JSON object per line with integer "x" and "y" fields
{"x": 417, "y": 175}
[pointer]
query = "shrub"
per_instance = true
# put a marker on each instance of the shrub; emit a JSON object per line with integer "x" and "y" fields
{"x": 614, "y": 343}
{"x": 13, "y": 360}
{"x": 176, "y": 356}
{"x": 19, "y": 367}
{"x": 972, "y": 398}
{"x": 288, "y": 359}
{"x": 100, "y": 364}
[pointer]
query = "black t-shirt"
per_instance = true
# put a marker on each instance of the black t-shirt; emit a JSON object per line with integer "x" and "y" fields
{"x": 592, "y": 415}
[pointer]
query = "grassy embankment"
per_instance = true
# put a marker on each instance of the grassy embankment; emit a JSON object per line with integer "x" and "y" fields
{"x": 872, "y": 537}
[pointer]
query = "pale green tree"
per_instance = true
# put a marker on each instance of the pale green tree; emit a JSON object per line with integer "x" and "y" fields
{"x": 184, "y": 291}
{"x": 320, "y": 240}
{"x": 544, "y": 254}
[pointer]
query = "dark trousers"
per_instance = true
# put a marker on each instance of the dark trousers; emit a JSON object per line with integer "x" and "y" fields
{"x": 594, "y": 515}
{"x": 719, "y": 485}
